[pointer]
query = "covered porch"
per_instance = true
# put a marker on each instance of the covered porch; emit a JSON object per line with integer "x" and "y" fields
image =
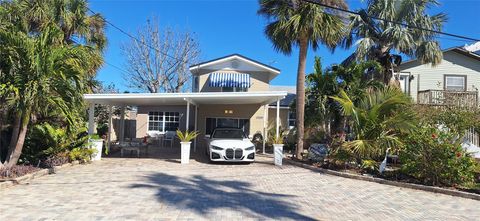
{"x": 193, "y": 111}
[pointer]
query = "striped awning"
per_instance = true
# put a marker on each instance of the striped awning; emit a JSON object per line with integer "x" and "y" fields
{"x": 229, "y": 79}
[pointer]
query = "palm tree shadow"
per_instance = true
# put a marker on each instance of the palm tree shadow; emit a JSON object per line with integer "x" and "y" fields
{"x": 203, "y": 195}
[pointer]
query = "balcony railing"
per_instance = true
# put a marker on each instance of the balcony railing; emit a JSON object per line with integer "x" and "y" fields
{"x": 466, "y": 99}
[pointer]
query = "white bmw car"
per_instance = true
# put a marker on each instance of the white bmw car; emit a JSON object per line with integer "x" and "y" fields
{"x": 230, "y": 145}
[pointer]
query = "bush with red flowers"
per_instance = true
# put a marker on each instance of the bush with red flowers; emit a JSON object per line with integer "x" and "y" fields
{"x": 436, "y": 157}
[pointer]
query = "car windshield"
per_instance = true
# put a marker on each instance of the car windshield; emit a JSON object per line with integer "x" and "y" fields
{"x": 228, "y": 134}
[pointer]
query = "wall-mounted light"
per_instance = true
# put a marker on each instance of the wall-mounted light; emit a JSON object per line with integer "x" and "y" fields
{"x": 228, "y": 111}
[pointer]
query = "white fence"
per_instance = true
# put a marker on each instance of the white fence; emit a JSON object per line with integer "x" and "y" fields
{"x": 473, "y": 137}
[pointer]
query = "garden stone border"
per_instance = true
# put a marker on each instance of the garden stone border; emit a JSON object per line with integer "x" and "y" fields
{"x": 387, "y": 182}
{"x": 36, "y": 174}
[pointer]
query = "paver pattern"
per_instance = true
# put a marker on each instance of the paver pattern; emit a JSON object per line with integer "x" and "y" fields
{"x": 162, "y": 189}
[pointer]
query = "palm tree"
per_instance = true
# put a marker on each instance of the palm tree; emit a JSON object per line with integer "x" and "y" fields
{"x": 48, "y": 75}
{"x": 295, "y": 23}
{"x": 355, "y": 79}
{"x": 377, "y": 120}
{"x": 380, "y": 40}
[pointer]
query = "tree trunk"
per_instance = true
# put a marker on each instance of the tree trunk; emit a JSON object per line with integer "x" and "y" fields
{"x": 300, "y": 102}
{"x": 12, "y": 158}
{"x": 17, "y": 122}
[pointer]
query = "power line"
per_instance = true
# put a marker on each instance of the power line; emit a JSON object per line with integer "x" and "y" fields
{"x": 116, "y": 67}
{"x": 134, "y": 38}
{"x": 393, "y": 22}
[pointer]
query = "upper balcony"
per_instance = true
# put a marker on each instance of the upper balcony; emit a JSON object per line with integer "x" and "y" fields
{"x": 444, "y": 98}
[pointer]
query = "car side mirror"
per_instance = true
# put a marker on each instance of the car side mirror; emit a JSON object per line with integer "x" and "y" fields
{"x": 207, "y": 136}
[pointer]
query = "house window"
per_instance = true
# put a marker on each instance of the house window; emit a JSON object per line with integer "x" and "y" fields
{"x": 234, "y": 89}
{"x": 455, "y": 82}
{"x": 195, "y": 86}
{"x": 291, "y": 119}
{"x": 163, "y": 121}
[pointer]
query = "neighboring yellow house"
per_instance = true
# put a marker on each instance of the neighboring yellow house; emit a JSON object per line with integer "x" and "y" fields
{"x": 232, "y": 91}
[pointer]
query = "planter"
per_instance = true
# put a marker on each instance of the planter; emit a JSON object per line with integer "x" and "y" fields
{"x": 96, "y": 144}
{"x": 278, "y": 154}
{"x": 185, "y": 156}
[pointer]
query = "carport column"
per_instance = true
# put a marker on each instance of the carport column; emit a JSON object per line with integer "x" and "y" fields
{"x": 109, "y": 141}
{"x": 278, "y": 119}
{"x": 122, "y": 124}
{"x": 195, "y": 128}
{"x": 188, "y": 116}
{"x": 265, "y": 121}
{"x": 91, "y": 119}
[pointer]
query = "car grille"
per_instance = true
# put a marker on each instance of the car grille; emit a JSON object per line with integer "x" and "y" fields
{"x": 234, "y": 154}
{"x": 238, "y": 153}
{"x": 229, "y": 153}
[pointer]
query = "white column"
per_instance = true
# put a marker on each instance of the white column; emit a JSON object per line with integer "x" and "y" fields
{"x": 91, "y": 119}
{"x": 109, "y": 135}
{"x": 278, "y": 119}
{"x": 195, "y": 128}
{"x": 188, "y": 116}
{"x": 122, "y": 124}
{"x": 265, "y": 122}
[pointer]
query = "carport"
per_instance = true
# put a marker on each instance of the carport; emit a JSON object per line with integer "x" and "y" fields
{"x": 191, "y": 103}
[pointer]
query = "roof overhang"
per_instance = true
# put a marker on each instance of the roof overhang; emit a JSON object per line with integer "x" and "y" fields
{"x": 203, "y": 98}
{"x": 232, "y": 57}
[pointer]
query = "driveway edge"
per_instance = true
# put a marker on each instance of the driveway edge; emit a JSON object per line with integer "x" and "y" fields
{"x": 387, "y": 182}
{"x": 36, "y": 174}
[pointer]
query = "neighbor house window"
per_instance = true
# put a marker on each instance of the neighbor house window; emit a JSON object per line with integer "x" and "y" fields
{"x": 163, "y": 121}
{"x": 291, "y": 119}
{"x": 455, "y": 82}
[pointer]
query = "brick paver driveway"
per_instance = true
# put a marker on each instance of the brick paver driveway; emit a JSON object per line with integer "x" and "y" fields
{"x": 162, "y": 189}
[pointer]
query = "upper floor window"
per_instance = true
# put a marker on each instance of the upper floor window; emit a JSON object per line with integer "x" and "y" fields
{"x": 195, "y": 84}
{"x": 455, "y": 82}
{"x": 234, "y": 89}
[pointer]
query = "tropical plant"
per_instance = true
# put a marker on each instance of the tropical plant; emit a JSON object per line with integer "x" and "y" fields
{"x": 186, "y": 136}
{"x": 377, "y": 120}
{"x": 380, "y": 40}
{"x": 48, "y": 58}
{"x": 355, "y": 79}
{"x": 436, "y": 157}
{"x": 82, "y": 154}
{"x": 297, "y": 23}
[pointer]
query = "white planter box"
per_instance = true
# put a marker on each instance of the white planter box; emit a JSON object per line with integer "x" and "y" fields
{"x": 185, "y": 156}
{"x": 97, "y": 145}
{"x": 278, "y": 154}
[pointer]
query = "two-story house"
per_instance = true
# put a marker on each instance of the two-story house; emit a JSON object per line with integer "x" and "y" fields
{"x": 232, "y": 91}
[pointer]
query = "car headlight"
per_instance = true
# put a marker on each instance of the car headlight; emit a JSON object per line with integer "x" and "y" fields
{"x": 216, "y": 148}
{"x": 250, "y": 148}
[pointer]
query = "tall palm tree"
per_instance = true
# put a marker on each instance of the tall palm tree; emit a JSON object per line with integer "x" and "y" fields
{"x": 384, "y": 41}
{"x": 295, "y": 23}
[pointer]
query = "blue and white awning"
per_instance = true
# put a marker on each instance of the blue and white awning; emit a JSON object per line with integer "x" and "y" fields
{"x": 229, "y": 79}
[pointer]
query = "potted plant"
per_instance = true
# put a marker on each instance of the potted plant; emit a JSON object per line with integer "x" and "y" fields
{"x": 96, "y": 143}
{"x": 185, "y": 141}
{"x": 277, "y": 142}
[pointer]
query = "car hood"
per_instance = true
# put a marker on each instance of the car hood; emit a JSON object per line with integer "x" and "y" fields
{"x": 229, "y": 143}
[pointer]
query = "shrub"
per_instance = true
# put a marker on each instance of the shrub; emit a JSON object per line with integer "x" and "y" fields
{"x": 81, "y": 154}
{"x": 436, "y": 157}
{"x": 17, "y": 171}
{"x": 56, "y": 160}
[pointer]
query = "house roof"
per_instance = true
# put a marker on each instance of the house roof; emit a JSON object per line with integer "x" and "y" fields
{"x": 285, "y": 102}
{"x": 204, "y": 98}
{"x": 459, "y": 50}
{"x": 235, "y": 56}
